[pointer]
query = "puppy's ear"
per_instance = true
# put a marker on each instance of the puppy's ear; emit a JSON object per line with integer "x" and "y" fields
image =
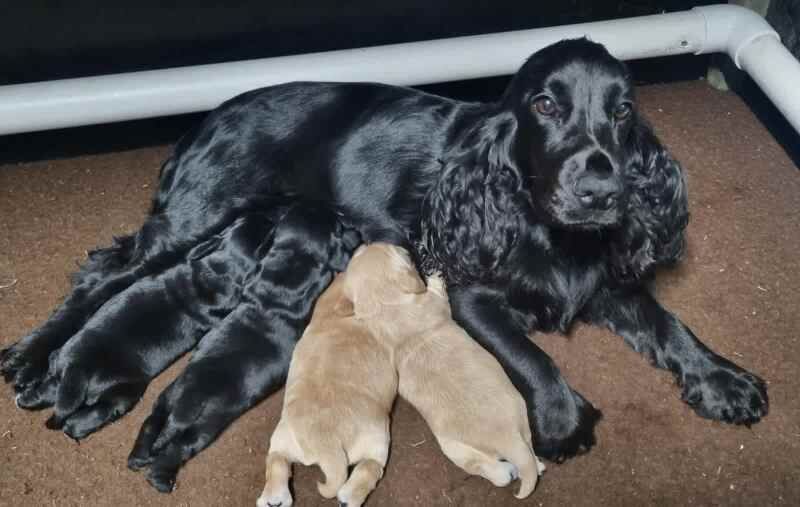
{"x": 657, "y": 212}
{"x": 344, "y": 307}
{"x": 402, "y": 272}
{"x": 410, "y": 282}
{"x": 470, "y": 218}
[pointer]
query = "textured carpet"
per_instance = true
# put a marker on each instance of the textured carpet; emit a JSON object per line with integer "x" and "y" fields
{"x": 739, "y": 290}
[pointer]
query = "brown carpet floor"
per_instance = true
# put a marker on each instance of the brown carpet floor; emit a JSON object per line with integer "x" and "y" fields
{"x": 739, "y": 289}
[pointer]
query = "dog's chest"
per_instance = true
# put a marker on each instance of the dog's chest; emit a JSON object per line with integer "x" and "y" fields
{"x": 553, "y": 295}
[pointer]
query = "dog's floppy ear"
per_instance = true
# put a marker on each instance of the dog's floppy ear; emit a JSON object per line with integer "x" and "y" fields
{"x": 470, "y": 216}
{"x": 657, "y": 212}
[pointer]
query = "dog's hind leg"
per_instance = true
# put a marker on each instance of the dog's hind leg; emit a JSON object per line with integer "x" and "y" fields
{"x": 276, "y": 489}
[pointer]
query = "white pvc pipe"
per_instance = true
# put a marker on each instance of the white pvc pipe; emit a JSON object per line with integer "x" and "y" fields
{"x": 777, "y": 72}
{"x": 755, "y": 48}
{"x": 101, "y": 99}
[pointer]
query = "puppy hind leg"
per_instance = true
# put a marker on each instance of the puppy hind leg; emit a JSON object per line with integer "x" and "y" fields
{"x": 362, "y": 481}
{"x": 530, "y": 468}
{"x": 25, "y": 363}
{"x": 165, "y": 465}
{"x": 186, "y": 442}
{"x": 276, "y": 488}
{"x": 41, "y": 396}
{"x": 475, "y": 462}
{"x": 71, "y": 395}
{"x": 333, "y": 462}
{"x": 142, "y": 455}
{"x": 113, "y": 404}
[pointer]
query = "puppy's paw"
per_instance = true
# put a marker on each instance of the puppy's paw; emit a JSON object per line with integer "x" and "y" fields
{"x": 103, "y": 407}
{"x": 162, "y": 479}
{"x": 501, "y": 473}
{"x": 277, "y": 497}
{"x": 566, "y": 429}
{"x": 38, "y": 397}
{"x": 725, "y": 392}
{"x": 179, "y": 427}
{"x": 25, "y": 364}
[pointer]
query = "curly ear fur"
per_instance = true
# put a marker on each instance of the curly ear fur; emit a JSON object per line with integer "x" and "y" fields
{"x": 471, "y": 215}
{"x": 657, "y": 213}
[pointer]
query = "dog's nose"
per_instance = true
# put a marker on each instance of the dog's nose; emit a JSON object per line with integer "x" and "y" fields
{"x": 599, "y": 165}
{"x": 594, "y": 191}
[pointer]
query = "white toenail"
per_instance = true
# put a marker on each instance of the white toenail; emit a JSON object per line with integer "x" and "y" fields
{"x": 16, "y": 400}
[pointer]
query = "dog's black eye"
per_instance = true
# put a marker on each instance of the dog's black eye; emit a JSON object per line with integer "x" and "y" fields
{"x": 544, "y": 106}
{"x": 622, "y": 111}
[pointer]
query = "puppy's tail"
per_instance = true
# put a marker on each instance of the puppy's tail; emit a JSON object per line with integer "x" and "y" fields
{"x": 333, "y": 462}
{"x": 529, "y": 468}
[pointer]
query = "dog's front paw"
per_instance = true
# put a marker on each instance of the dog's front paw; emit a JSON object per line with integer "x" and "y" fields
{"x": 563, "y": 429}
{"x": 725, "y": 392}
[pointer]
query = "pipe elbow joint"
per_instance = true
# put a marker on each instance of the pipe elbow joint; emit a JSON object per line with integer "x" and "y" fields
{"x": 731, "y": 28}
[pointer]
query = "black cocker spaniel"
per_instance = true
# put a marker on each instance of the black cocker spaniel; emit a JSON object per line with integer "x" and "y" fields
{"x": 553, "y": 204}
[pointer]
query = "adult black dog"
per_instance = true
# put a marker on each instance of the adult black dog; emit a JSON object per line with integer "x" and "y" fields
{"x": 553, "y": 204}
{"x": 103, "y": 370}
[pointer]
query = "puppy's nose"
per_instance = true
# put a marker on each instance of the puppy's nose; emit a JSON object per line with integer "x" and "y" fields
{"x": 594, "y": 191}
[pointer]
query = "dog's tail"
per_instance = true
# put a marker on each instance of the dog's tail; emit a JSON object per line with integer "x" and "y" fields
{"x": 333, "y": 462}
{"x": 529, "y": 468}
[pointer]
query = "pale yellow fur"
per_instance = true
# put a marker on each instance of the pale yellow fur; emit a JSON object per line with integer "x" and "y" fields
{"x": 473, "y": 409}
{"x": 375, "y": 322}
{"x": 339, "y": 391}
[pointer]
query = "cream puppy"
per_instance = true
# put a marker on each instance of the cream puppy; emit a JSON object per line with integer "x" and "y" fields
{"x": 375, "y": 321}
{"x": 476, "y": 414}
{"x": 339, "y": 392}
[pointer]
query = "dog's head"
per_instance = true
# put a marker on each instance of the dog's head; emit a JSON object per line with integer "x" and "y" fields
{"x": 378, "y": 274}
{"x": 575, "y": 111}
{"x": 567, "y": 149}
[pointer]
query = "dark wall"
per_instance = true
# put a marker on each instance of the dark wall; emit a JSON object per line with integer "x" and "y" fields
{"x": 73, "y": 38}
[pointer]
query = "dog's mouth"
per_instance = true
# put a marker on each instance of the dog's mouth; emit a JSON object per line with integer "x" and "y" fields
{"x": 565, "y": 209}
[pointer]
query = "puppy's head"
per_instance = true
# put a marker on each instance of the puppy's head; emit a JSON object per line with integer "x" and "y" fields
{"x": 574, "y": 106}
{"x": 378, "y": 274}
{"x": 317, "y": 231}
